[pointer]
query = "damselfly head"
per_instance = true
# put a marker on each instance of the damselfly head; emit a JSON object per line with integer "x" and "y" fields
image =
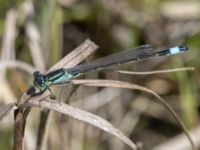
{"x": 38, "y": 79}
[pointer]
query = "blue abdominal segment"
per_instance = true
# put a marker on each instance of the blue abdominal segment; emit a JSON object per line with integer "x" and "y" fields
{"x": 174, "y": 50}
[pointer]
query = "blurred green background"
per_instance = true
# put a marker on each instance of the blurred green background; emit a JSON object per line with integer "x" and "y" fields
{"x": 39, "y": 33}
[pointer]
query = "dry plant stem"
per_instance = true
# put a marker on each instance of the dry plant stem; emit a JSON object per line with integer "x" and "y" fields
{"x": 63, "y": 124}
{"x": 19, "y": 127}
{"x": 80, "y": 115}
{"x": 119, "y": 84}
{"x": 179, "y": 142}
{"x": 6, "y": 110}
{"x": 9, "y": 35}
{"x": 68, "y": 98}
{"x": 33, "y": 35}
{"x": 76, "y": 56}
{"x": 20, "y": 116}
{"x": 97, "y": 100}
{"x": 44, "y": 117}
{"x": 63, "y": 131}
{"x": 42, "y": 129}
{"x": 80, "y": 53}
{"x": 18, "y": 65}
{"x": 72, "y": 59}
{"x": 18, "y": 130}
{"x": 157, "y": 71}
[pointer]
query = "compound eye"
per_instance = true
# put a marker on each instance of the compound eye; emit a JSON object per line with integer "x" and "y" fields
{"x": 36, "y": 73}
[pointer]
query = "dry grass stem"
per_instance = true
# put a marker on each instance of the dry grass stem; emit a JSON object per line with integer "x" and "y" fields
{"x": 156, "y": 71}
{"x": 119, "y": 84}
{"x": 81, "y": 115}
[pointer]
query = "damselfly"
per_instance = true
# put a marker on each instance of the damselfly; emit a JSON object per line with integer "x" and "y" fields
{"x": 42, "y": 82}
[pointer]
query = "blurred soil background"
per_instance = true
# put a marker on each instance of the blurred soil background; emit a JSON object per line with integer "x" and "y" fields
{"x": 36, "y": 34}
